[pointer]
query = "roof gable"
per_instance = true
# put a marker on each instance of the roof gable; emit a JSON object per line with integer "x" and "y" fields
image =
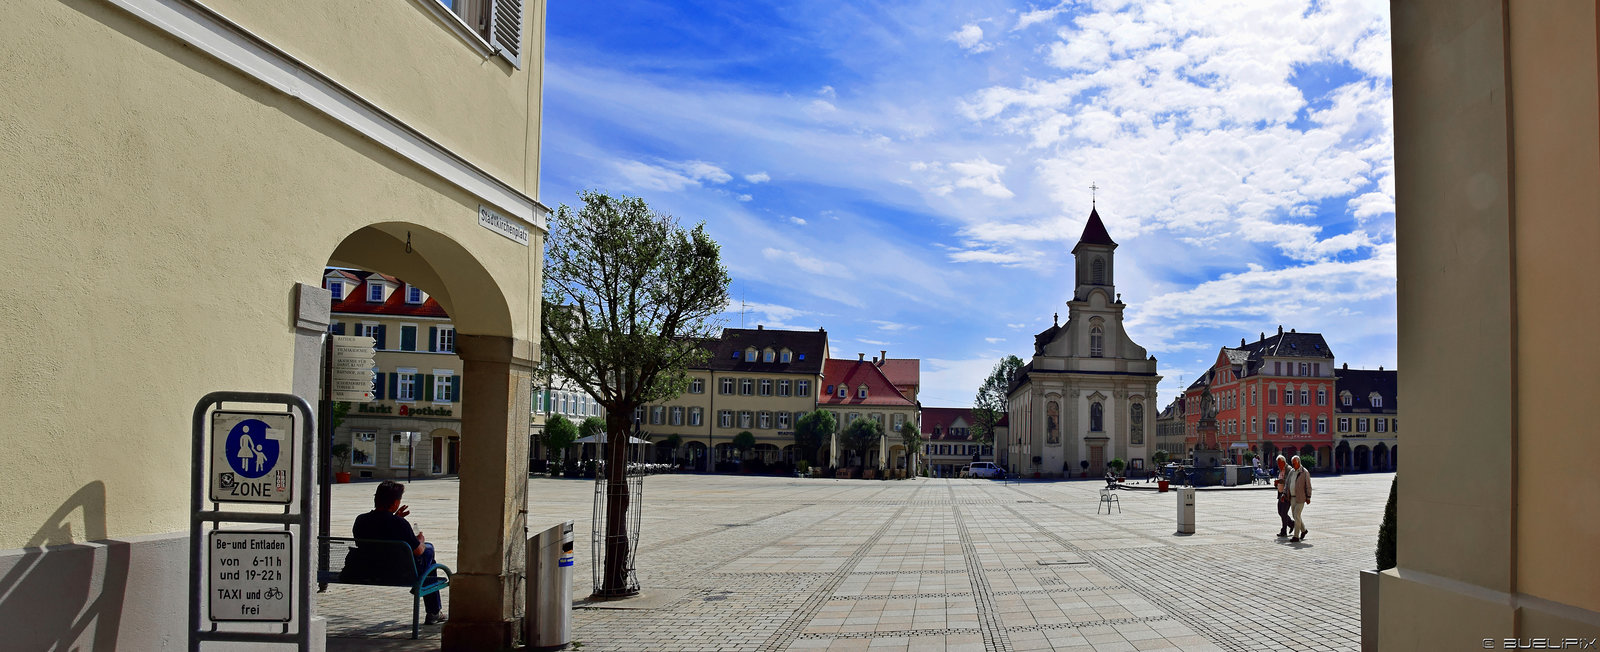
{"x": 1094, "y": 233}
{"x": 853, "y": 374}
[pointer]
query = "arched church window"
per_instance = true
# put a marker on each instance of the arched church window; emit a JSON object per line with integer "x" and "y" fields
{"x": 1096, "y": 418}
{"x": 1097, "y": 341}
{"x": 1136, "y": 424}
{"x": 1098, "y": 271}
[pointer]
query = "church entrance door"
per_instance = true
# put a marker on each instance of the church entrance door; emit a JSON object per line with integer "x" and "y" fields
{"x": 1097, "y": 458}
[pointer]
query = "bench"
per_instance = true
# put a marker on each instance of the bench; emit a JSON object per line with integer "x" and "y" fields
{"x": 379, "y": 562}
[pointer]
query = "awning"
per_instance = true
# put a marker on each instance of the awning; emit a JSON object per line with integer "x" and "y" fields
{"x": 601, "y": 439}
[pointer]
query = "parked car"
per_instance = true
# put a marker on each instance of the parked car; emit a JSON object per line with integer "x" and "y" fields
{"x": 985, "y": 470}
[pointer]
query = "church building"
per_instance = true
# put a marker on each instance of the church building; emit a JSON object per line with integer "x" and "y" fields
{"x": 1089, "y": 394}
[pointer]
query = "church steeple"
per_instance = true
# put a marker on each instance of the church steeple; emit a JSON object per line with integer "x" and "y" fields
{"x": 1095, "y": 258}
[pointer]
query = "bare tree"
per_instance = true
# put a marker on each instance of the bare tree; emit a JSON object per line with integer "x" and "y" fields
{"x": 628, "y": 296}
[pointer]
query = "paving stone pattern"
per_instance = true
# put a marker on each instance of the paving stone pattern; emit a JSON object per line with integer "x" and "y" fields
{"x": 760, "y": 563}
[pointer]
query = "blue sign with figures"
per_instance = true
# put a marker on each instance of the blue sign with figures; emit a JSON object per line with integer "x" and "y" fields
{"x": 252, "y": 459}
{"x": 249, "y": 451}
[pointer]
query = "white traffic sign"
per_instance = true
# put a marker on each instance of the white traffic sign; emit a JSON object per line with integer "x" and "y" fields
{"x": 252, "y": 456}
{"x": 249, "y": 575}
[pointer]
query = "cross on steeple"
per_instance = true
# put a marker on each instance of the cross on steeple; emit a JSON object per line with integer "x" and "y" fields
{"x": 1092, "y": 189}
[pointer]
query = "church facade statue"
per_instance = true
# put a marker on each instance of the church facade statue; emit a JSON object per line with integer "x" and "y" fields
{"x": 1084, "y": 394}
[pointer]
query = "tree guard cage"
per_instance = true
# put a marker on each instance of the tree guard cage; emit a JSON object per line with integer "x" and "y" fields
{"x": 633, "y": 480}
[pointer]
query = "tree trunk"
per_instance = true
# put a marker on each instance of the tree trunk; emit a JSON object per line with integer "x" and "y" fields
{"x": 614, "y": 581}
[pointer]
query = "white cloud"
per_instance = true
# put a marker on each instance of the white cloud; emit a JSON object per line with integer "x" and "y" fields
{"x": 670, "y": 176}
{"x": 797, "y": 220}
{"x": 759, "y": 177}
{"x": 994, "y": 340}
{"x": 804, "y": 263}
{"x": 1030, "y": 18}
{"x": 745, "y": 197}
{"x": 970, "y": 38}
{"x": 892, "y": 326}
{"x": 974, "y": 174}
{"x": 985, "y": 256}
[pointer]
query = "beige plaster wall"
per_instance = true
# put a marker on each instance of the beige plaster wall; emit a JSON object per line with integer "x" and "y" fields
{"x": 398, "y": 55}
{"x": 1556, "y": 166}
{"x": 158, "y": 210}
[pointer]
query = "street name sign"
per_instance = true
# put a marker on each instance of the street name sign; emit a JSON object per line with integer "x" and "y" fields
{"x": 352, "y": 364}
{"x": 252, "y": 456}
{"x": 250, "y": 576}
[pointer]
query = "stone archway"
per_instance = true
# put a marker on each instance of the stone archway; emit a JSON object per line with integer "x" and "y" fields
{"x": 696, "y": 455}
{"x": 1363, "y": 461}
{"x": 1380, "y": 457}
{"x": 471, "y": 277}
{"x": 1341, "y": 455}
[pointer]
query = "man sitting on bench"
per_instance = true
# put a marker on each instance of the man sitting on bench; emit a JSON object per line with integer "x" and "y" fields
{"x": 387, "y": 521}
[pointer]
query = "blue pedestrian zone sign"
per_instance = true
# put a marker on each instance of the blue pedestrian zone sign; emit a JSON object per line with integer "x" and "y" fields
{"x": 252, "y": 457}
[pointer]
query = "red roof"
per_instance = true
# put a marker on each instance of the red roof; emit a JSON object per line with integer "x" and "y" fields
{"x": 853, "y": 374}
{"x": 903, "y": 372}
{"x": 355, "y": 300}
{"x": 1094, "y": 232}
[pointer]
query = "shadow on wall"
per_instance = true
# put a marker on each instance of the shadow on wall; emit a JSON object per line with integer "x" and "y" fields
{"x": 65, "y": 596}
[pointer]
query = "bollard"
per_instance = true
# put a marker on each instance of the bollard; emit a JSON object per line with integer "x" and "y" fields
{"x": 1185, "y": 510}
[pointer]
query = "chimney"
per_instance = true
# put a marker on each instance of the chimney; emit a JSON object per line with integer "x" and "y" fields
{"x": 1263, "y": 337}
{"x": 1380, "y": 367}
{"x": 1291, "y": 330}
{"x": 1346, "y": 365}
{"x": 1241, "y": 342}
{"x": 761, "y": 327}
{"x": 874, "y": 360}
{"x": 861, "y": 357}
{"x": 1280, "y": 329}
{"x": 883, "y": 355}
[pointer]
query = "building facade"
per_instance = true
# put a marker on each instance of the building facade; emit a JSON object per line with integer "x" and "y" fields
{"x": 1089, "y": 393}
{"x": 858, "y": 388}
{"x": 1172, "y": 428}
{"x": 947, "y": 441}
{"x": 1274, "y": 395}
{"x": 1366, "y": 419}
{"x": 412, "y": 425}
{"x": 757, "y": 380}
{"x": 187, "y": 174}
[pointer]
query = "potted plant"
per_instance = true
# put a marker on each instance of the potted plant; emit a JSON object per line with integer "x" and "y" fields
{"x": 1037, "y": 460}
{"x": 1116, "y": 465}
{"x": 1159, "y": 458}
{"x": 1084, "y": 464}
{"x": 1388, "y": 533}
{"x": 341, "y": 459}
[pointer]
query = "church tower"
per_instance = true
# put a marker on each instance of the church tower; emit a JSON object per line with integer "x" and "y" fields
{"x": 1095, "y": 259}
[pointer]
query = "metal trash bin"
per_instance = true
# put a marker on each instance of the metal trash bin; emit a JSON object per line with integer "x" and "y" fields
{"x": 548, "y": 623}
{"x": 1185, "y": 510}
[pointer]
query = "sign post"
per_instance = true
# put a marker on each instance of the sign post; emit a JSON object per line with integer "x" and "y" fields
{"x": 258, "y": 573}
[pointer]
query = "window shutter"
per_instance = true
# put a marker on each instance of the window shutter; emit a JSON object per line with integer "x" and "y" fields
{"x": 427, "y": 386}
{"x": 377, "y": 387}
{"x": 380, "y": 337}
{"x": 394, "y": 383}
{"x": 506, "y": 32}
{"x": 338, "y": 329}
{"x": 408, "y": 338}
{"x": 455, "y": 388}
{"x": 433, "y": 338}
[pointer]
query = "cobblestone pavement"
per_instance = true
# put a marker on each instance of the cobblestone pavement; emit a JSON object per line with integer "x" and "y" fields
{"x": 761, "y": 563}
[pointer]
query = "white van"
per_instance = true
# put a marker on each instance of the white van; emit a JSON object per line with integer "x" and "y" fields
{"x": 985, "y": 470}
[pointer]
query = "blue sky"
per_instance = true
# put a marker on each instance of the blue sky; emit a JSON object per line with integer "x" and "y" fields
{"x": 912, "y": 175}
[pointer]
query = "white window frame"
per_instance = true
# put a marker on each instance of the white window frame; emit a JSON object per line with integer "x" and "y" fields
{"x": 1272, "y": 424}
{"x": 416, "y": 337}
{"x": 862, "y": 392}
{"x": 1305, "y": 425}
{"x": 766, "y": 356}
{"x": 783, "y": 420}
{"x": 485, "y": 47}
{"x": 783, "y": 387}
{"x": 414, "y": 290}
{"x": 1376, "y": 399}
{"x": 844, "y": 392}
{"x": 1322, "y": 425}
{"x": 675, "y": 415}
{"x": 1322, "y": 396}
{"x": 802, "y": 388}
{"x": 747, "y": 419}
{"x": 785, "y": 357}
{"x": 442, "y": 385}
{"x": 371, "y": 287}
{"x": 695, "y": 416}
{"x": 364, "y": 441}
{"x": 726, "y": 387}
{"x": 395, "y": 449}
{"x": 658, "y": 415}
{"x": 337, "y": 289}
{"x": 764, "y": 420}
{"x": 405, "y": 379}
{"x": 444, "y": 340}
{"x": 1380, "y": 425}
{"x": 697, "y": 386}
{"x": 725, "y": 418}
{"x": 765, "y": 387}
{"x": 747, "y": 387}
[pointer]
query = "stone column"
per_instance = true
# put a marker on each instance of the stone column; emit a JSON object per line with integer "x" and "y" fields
{"x": 486, "y": 590}
{"x": 311, "y": 318}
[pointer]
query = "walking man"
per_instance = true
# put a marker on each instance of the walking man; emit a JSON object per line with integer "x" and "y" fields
{"x": 1299, "y": 496}
{"x": 1282, "y": 483}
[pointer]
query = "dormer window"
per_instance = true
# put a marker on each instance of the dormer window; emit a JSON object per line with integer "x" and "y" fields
{"x": 750, "y": 354}
{"x": 766, "y": 356}
{"x": 785, "y": 356}
{"x": 1345, "y": 398}
{"x": 413, "y": 294}
{"x": 337, "y": 288}
{"x": 862, "y": 393}
{"x": 1376, "y": 399}
{"x": 844, "y": 392}
{"x": 375, "y": 292}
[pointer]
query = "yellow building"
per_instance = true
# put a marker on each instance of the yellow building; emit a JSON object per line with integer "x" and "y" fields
{"x": 1366, "y": 413}
{"x": 1497, "y": 153}
{"x": 758, "y": 380}
{"x": 186, "y": 171}
{"x": 858, "y": 389}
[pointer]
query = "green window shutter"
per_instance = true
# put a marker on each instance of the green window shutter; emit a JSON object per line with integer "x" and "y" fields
{"x": 455, "y": 388}
{"x": 408, "y": 338}
{"x": 427, "y": 386}
{"x": 394, "y": 381}
{"x": 433, "y": 338}
{"x": 377, "y": 387}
